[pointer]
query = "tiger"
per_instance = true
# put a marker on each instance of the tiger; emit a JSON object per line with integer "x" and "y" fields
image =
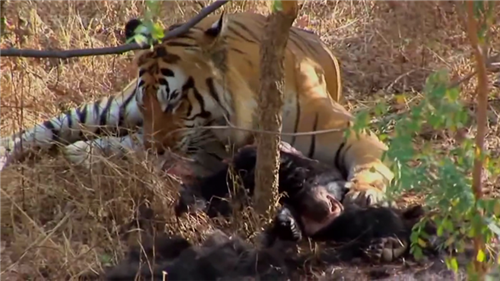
{"x": 197, "y": 93}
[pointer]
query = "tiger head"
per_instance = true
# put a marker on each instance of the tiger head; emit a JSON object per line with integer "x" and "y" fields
{"x": 175, "y": 83}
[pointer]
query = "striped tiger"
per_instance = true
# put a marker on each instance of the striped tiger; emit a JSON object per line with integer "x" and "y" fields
{"x": 191, "y": 85}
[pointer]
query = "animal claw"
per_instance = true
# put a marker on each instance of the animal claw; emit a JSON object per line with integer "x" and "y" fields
{"x": 364, "y": 198}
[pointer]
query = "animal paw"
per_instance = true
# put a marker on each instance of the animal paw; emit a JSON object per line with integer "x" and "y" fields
{"x": 286, "y": 227}
{"x": 364, "y": 196}
{"x": 289, "y": 230}
{"x": 385, "y": 249}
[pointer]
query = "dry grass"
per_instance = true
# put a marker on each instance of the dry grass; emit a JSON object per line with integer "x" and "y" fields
{"x": 59, "y": 221}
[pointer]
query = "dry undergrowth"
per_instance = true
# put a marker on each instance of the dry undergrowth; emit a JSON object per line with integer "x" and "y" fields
{"x": 60, "y": 221}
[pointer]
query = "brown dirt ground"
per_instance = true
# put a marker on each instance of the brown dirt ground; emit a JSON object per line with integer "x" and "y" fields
{"x": 58, "y": 221}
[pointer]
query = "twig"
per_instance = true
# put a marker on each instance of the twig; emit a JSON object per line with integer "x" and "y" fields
{"x": 233, "y": 127}
{"x": 489, "y": 63}
{"x": 463, "y": 79}
{"x": 65, "y": 54}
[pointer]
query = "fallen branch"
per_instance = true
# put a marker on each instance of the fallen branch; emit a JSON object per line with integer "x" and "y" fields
{"x": 65, "y": 54}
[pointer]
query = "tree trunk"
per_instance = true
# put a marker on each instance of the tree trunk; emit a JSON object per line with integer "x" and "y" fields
{"x": 272, "y": 53}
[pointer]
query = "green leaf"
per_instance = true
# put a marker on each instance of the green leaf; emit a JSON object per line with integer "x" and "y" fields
{"x": 480, "y": 257}
{"x": 452, "y": 264}
{"x": 142, "y": 29}
{"x": 381, "y": 108}
{"x": 157, "y": 32}
{"x": 277, "y": 6}
{"x": 106, "y": 259}
{"x": 139, "y": 39}
{"x": 494, "y": 227}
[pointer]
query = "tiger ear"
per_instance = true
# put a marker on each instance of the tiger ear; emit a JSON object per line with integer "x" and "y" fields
{"x": 218, "y": 28}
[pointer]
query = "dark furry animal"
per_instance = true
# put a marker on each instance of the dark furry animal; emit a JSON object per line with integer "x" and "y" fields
{"x": 315, "y": 190}
{"x": 374, "y": 233}
{"x": 313, "y": 208}
{"x": 218, "y": 258}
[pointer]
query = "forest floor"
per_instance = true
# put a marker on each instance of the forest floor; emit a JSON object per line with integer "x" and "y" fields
{"x": 60, "y": 221}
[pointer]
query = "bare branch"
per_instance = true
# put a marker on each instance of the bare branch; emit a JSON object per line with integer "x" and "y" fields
{"x": 65, "y": 54}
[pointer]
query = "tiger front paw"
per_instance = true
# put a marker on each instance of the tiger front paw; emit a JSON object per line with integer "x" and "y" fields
{"x": 365, "y": 195}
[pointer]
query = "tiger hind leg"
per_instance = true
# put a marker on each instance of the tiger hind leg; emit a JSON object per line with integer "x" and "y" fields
{"x": 89, "y": 153}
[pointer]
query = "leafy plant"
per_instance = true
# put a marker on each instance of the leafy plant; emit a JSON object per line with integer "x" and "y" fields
{"x": 444, "y": 173}
{"x": 150, "y": 30}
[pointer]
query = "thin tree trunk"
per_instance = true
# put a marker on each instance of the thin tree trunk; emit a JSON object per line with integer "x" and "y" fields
{"x": 482, "y": 107}
{"x": 272, "y": 53}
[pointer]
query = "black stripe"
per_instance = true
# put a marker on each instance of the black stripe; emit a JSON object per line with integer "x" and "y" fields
{"x": 233, "y": 30}
{"x": 139, "y": 124}
{"x": 186, "y": 36}
{"x": 215, "y": 155}
{"x": 81, "y": 113}
{"x": 312, "y": 147}
{"x": 245, "y": 28}
{"x": 180, "y": 44}
{"x": 121, "y": 112}
{"x": 338, "y": 161}
{"x": 142, "y": 71}
{"x": 249, "y": 62}
{"x": 103, "y": 114}
{"x": 237, "y": 51}
{"x": 212, "y": 91}
{"x": 70, "y": 119}
{"x": 296, "y": 127}
{"x": 189, "y": 84}
{"x": 215, "y": 96}
{"x": 97, "y": 111}
{"x": 167, "y": 72}
{"x": 309, "y": 47}
{"x": 304, "y": 30}
{"x": 203, "y": 113}
{"x": 190, "y": 109}
{"x": 160, "y": 51}
{"x": 294, "y": 40}
{"x": 163, "y": 81}
{"x": 55, "y": 132}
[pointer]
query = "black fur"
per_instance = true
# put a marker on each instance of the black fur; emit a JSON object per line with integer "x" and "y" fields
{"x": 357, "y": 232}
{"x": 218, "y": 258}
{"x": 130, "y": 28}
{"x": 298, "y": 178}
